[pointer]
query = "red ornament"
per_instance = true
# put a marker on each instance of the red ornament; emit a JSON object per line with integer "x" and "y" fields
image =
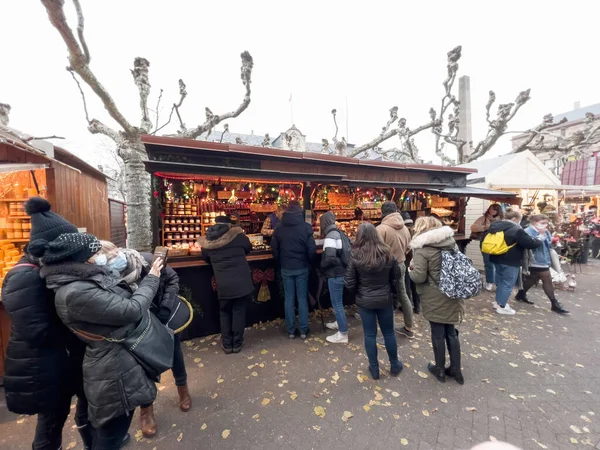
{"x": 155, "y": 194}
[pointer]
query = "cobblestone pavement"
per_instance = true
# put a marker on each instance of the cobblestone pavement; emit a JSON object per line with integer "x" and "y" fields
{"x": 531, "y": 380}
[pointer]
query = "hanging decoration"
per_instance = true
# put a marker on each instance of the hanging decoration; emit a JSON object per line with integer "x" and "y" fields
{"x": 263, "y": 277}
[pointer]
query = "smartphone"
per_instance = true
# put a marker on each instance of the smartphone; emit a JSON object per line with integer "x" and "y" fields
{"x": 162, "y": 253}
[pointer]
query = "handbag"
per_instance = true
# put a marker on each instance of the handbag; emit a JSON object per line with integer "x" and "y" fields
{"x": 151, "y": 344}
{"x": 182, "y": 316}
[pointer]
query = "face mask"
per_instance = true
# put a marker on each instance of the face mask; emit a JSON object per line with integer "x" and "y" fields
{"x": 100, "y": 260}
{"x": 541, "y": 226}
{"x": 119, "y": 262}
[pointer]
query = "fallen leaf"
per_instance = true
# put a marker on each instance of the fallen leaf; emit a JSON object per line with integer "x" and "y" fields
{"x": 540, "y": 444}
{"x": 265, "y": 401}
{"x": 71, "y": 445}
{"x": 251, "y": 366}
{"x": 197, "y": 360}
{"x": 378, "y": 396}
{"x": 367, "y": 408}
{"x": 574, "y": 441}
{"x": 225, "y": 434}
{"x": 575, "y": 429}
{"x": 139, "y": 435}
{"x": 550, "y": 391}
{"x": 264, "y": 352}
{"x": 404, "y": 441}
{"x": 220, "y": 380}
{"x": 422, "y": 374}
{"x": 203, "y": 427}
{"x": 579, "y": 365}
{"x": 396, "y": 416}
{"x": 486, "y": 380}
{"x": 586, "y": 419}
{"x": 322, "y": 380}
{"x": 444, "y": 400}
{"x": 513, "y": 396}
{"x": 531, "y": 374}
{"x": 347, "y": 415}
{"x": 425, "y": 413}
{"x": 316, "y": 428}
{"x": 254, "y": 374}
{"x": 215, "y": 395}
{"x": 320, "y": 411}
{"x": 362, "y": 378}
{"x": 180, "y": 437}
{"x": 293, "y": 395}
{"x": 335, "y": 377}
{"x": 255, "y": 416}
{"x": 395, "y": 394}
{"x": 513, "y": 365}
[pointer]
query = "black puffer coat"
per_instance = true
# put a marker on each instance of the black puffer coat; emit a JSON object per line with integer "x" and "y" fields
{"x": 39, "y": 373}
{"x": 91, "y": 299}
{"x": 293, "y": 243}
{"x": 373, "y": 286}
{"x": 226, "y": 247}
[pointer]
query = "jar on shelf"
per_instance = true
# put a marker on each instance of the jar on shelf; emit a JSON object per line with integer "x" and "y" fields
{"x": 186, "y": 228}
{"x": 178, "y": 221}
{"x": 168, "y": 243}
{"x": 18, "y": 234}
{"x": 26, "y": 234}
{"x": 184, "y": 236}
{"x": 10, "y": 234}
{"x": 177, "y": 236}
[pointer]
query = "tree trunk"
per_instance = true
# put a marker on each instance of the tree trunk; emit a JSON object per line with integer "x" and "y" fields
{"x": 137, "y": 189}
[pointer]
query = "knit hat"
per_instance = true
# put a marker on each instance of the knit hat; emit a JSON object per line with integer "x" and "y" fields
{"x": 79, "y": 247}
{"x": 44, "y": 223}
{"x": 406, "y": 218}
{"x": 223, "y": 219}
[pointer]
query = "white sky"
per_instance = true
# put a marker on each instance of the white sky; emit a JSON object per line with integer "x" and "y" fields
{"x": 377, "y": 54}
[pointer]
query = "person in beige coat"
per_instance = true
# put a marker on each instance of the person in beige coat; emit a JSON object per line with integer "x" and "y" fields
{"x": 393, "y": 232}
{"x": 442, "y": 312}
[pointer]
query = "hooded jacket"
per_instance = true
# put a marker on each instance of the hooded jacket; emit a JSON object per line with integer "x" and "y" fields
{"x": 92, "y": 299}
{"x": 293, "y": 243}
{"x": 225, "y": 247}
{"x": 427, "y": 265}
{"x": 513, "y": 234}
{"x": 395, "y": 234}
{"x": 43, "y": 358}
{"x": 331, "y": 262}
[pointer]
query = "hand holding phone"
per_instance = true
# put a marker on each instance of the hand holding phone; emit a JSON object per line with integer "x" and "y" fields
{"x": 156, "y": 267}
{"x": 162, "y": 253}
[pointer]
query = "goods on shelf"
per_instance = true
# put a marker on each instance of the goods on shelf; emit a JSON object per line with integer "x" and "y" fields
{"x": 441, "y": 212}
{"x": 10, "y": 255}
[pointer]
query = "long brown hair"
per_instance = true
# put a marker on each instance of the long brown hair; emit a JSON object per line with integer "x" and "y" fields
{"x": 369, "y": 250}
{"x": 498, "y": 208}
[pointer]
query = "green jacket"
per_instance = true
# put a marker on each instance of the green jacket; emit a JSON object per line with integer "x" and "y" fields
{"x": 426, "y": 266}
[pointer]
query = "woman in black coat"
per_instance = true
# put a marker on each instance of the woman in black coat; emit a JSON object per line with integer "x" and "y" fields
{"x": 43, "y": 360}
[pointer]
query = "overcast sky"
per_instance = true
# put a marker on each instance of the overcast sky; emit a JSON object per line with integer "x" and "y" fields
{"x": 377, "y": 54}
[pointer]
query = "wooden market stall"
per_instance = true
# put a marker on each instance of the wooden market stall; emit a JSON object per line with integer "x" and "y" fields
{"x": 195, "y": 181}
{"x": 75, "y": 189}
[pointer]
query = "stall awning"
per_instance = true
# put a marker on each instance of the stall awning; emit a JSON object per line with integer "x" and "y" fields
{"x": 393, "y": 184}
{"x": 17, "y": 167}
{"x": 488, "y": 194}
{"x": 166, "y": 168}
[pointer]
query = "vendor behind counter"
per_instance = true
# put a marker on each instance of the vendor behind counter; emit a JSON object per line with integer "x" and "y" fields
{"x": 271, "y": 221}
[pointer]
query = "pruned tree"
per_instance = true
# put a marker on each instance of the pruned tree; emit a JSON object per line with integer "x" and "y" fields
{"x": 128, "y": 136}
{"x": 444, "y": 124}
{"x": 547, "y": 137}
{"x": 4, "y": 114}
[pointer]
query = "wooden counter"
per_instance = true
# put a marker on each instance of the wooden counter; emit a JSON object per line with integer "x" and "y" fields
{"x": 197, "y": 261}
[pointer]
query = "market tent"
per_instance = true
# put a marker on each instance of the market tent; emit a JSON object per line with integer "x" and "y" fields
{"x": 479, "y": 193}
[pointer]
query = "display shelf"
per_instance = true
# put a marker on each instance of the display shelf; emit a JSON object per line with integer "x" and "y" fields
{"x": 183, "y": 216}
{"x": 15, "y": 200}
{"x": 18, "y": 217}
{"x": 15, "y": 241}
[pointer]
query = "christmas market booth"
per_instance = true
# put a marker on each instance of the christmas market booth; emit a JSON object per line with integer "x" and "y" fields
{"x": 195, "y": 181}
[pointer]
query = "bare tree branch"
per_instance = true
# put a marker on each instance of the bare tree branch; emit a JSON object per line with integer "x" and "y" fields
{"x": 182, "y": 95}
{"x": 158, "y": 107}
{"x": 97, "y": 127}
{"x": 80, "y": 28}
{"x": 41, "y": 138}
{"x": 267, "y": 140}
{"x": 225, "y": 130}
{"x": 246, "y": 75}
{"x": 141, "y": 79}
{"x": 339, "y": 145}
{"x": 87, "y": 116}
{"x": 79, "y": 61}
{"x": 4, "y": 114}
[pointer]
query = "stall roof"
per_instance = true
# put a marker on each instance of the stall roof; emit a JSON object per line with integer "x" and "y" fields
{"x": 182, "y": 143}
{"x": 17, "y": 167}
{"x": 469, "y": 191}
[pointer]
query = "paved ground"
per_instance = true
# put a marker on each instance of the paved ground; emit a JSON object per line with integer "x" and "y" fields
{"x": 532, "y": 380}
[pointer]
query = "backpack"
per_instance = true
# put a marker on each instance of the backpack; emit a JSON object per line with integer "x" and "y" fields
{"x": 495, "y": 244}
{"x": 346, "y": 248}
{"x": 459, "y": 278}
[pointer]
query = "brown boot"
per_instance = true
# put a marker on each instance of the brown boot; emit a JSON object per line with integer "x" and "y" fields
{"x": 185, "y": 401}
{"x": 148, "y": 422}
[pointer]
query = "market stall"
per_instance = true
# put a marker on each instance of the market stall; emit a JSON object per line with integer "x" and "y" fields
{"x": 194, "y": 182}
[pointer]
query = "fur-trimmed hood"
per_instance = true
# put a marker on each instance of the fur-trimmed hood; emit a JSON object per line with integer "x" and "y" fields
{"x": 438, "y": 237}
{"x": 219, "y": 236}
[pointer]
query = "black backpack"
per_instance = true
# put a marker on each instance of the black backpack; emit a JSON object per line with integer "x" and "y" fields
{"x": 346, "y": 248}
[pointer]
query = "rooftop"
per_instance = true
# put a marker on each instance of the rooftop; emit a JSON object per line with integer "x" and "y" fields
{"x": 579, "y": 113}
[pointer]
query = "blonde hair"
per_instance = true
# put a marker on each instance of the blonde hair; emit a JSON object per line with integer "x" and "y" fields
{"x": 109, "y": 249}
{"x": 424, "y": 224}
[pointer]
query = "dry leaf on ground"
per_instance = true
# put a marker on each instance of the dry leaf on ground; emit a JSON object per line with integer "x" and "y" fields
{"x": 347, "y": 415}
{"x": 71, "y": 445}
{"x": 422, "y": 374}
{"x": 395, "y": 394}
{"x": 367, "y": 408}
{"x": 444, "y": 400}
{"x": 404, "y": 441}
{"x": 575, "y": 429}
{"x": 378, "y": 396}
{"x": 322, "y": 380}
{"x": 265, "y": 401}
{"x": 180, "y": 437}
{"x": 471, "y": 408}
{"x": 513, "y": 365}
{"x": 550, "y": 391}
{"x": 335, "y": 377}
{"x": 264, "y": 352}
{"x": 203, "y": 427}
{"x": 225, "y": 434}
{"x": 425, "y": 413}
{"x": 320, "y": 411}
{"x": 293, "y": 395}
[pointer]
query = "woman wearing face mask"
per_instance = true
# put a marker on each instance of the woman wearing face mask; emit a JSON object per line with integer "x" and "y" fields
{"x": 508, "y": 265}
{"x": 91, "y": 300}
{"x": 540, "y": 266}
{"x": 479, "y": 227}
{"x": 134, "y": 267}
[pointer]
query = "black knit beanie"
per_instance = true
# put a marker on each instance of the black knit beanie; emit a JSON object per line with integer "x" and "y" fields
{"x": 44, "y": 223}
{"x": 79, "y": 247}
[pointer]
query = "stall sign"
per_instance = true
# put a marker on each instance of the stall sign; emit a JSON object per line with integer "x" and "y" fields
{"x": 339, "y": 198}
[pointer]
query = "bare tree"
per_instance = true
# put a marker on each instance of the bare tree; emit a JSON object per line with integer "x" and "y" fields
{"x": 445, "y": 129}
{"x": 4, "y": 113}
{"x": 128, "y": 137}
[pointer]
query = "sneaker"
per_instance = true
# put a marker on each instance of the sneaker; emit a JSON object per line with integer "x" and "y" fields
{"x": 292, "y": 336}
{"x": 509, "y": 308}
{"x": 338, "y": 338}
{"x": 507, "y": 311}
{"x": 303, "y": 335}
{"x": 404, "y": 332}
{"x": 332, "y": 326}
{"x": 489, "y": 286}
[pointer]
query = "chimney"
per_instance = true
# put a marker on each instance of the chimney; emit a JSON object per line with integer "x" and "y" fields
{"x": 577, "y": 105}
{"x": 464, "y": 114}
{"x": 4, "y": 113}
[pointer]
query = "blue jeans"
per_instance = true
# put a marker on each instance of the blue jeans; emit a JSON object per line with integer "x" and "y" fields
{"x": 295, "y": 284}
{"x": 336, "y": 292}
{"x": 506, "y": 278}
{"x": 489, "y": 268}
{"x": 385, "y": 316}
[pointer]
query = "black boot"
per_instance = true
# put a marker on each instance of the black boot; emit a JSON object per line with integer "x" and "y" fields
{"x": 522, "y": 297}
{"x": 557, "y": 307}
{"x": 87, "y": 433}
{"x": 439, "y": 353}
{"x": 454, "y": 370}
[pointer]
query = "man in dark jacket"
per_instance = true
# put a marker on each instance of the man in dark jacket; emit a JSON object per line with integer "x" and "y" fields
{"x": 225, "y": 247}
{"x": 44, "y": 359}
{"x": 508, "y": 264}
{"x": 333, "y": 269}
{"x": 294, "y": 250}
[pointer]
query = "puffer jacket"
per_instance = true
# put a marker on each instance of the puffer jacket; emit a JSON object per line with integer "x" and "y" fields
{"x": 165, "y": 300}
{"x": 426, "y": 267}
{"x": 394, "y": 233}
{"x": 541, "y": 255}
{"x": 373, "y": 287}
{"x": 43, "y": 358}
{"x": 331, "y": 262}
{"x": 92, "y": 299}
{"x": 293, "y": 243}
{"x": 226, "y": 247}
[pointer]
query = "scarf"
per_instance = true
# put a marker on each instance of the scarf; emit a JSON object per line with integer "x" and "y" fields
{"x": 135, "y": 264}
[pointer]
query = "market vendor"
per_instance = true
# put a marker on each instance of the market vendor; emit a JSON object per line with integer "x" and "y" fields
{"x": 271, "y": 221}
